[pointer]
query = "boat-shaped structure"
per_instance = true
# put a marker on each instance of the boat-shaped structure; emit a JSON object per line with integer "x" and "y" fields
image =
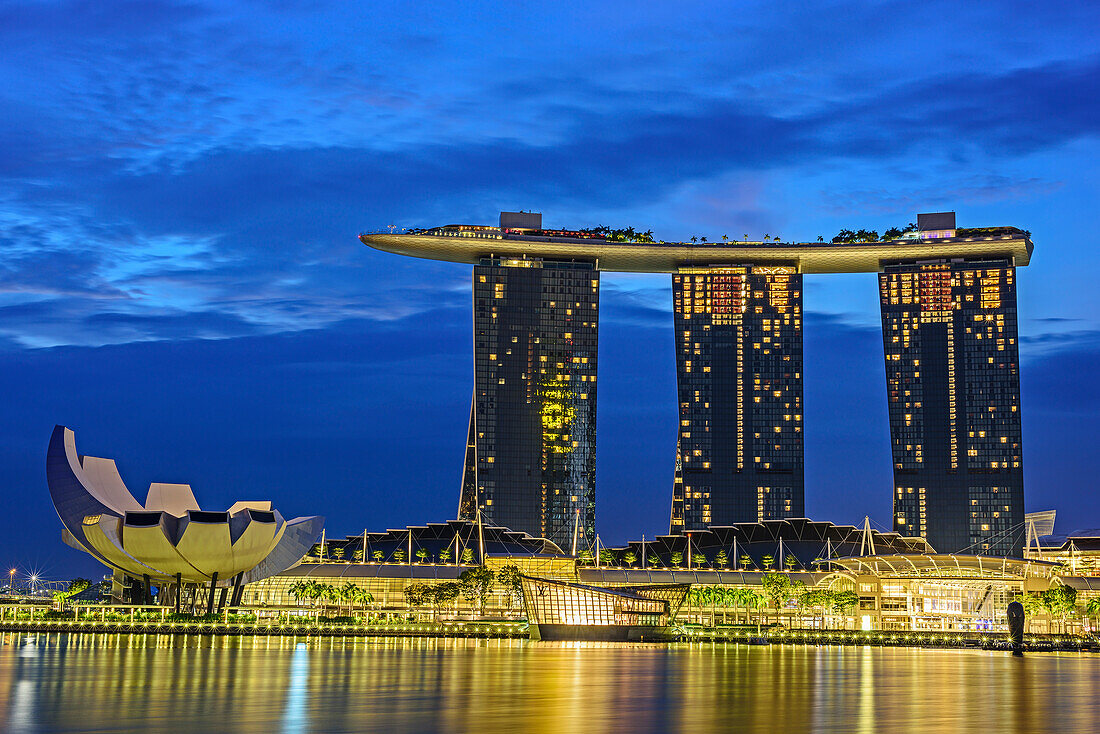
{"x": 560, "y": 610}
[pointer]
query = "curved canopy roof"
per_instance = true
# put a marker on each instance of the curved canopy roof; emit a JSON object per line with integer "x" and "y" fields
{"x": 806, "y": 257}
{"x": 944, "y": 565}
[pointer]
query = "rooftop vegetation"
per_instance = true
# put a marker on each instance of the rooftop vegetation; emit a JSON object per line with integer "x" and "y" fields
{"x": 990, "y": 231}
{"x": 847, "y": 236}
{"x": 629, "y": 234}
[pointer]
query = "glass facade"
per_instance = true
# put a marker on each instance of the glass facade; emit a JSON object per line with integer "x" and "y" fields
{"x": 953, "y": 385}
{"x": 556, "y": 602}
{"x": 530, "y": 457}
{"x": 739, "y": 386}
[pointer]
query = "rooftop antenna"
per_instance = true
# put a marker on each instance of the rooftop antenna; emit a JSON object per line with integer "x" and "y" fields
{"x": 868, "y": 541}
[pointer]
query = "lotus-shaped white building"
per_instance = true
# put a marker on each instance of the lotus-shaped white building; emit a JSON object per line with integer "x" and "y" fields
{"x": 169, "y": 539}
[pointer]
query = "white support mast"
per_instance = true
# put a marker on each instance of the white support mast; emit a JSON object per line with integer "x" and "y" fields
{"x": 576, "y": 528}
{"x": 867, "y": 544}
{"x": 480, "y": 538}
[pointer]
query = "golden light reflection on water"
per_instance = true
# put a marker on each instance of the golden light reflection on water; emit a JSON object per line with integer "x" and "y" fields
{"x": 266, "y": 684}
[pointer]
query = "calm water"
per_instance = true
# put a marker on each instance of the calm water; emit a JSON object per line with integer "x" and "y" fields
{"x": 161, "y": 683}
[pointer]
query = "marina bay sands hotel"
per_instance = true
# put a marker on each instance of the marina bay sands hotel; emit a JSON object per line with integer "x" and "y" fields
{"x": 949, "y": 332}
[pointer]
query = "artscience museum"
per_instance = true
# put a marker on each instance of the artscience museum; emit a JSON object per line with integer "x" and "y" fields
{"x": 188, "y": 553}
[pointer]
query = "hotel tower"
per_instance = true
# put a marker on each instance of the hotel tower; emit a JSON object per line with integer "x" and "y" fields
{"x": 952, "y": 353}
{"x": 738, "y": 332}
{"x": 948, "y": 300}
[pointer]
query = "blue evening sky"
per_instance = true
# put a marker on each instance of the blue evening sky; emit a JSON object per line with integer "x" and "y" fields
{"x": 181, "y": 185}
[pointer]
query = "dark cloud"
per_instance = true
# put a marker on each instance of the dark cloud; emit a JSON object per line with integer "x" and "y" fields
{"x": 277, "y": 223}
{"x": 609, "y": 160}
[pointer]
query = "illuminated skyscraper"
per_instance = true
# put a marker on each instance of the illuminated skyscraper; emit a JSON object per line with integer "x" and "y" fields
{"x": 953, "y": 385}
{"x": 949, "y": 327}
{"x": 530, "y": 456}
{"x": 739, "y": 384}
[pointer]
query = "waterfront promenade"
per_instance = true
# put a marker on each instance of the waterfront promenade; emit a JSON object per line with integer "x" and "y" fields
{"x": 153, "y": 620}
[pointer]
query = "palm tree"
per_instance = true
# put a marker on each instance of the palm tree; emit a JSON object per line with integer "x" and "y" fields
{"x": 328, "y": 594}
{"x": 312, "y": 591}
{"x": 704, "y": 596}
{"x": 721, "y": 594}
{"x": 348, "y": 593}
{"x": 694, "y": 239}
{"x": 725, "y": 238}
{"x": 1092, "y": 609}
{"x": 295, "y": 590}
{"x": 703, "y": 240}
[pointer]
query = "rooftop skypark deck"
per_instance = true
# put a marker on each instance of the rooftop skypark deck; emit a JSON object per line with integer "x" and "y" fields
{"x": 470, "y": 243}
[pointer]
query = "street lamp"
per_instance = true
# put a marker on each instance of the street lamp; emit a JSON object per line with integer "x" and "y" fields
{"x": 11, "y": 580}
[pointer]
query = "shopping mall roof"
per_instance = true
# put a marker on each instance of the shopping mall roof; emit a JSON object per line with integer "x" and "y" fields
{"x": 810, "y": 542}
{"x": 943, "y": 565}
{"x": 401, "y": 544}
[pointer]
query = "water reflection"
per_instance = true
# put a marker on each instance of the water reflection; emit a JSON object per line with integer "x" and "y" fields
{"x": 294, "y": 717}
{"x": 166, "y": 683}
